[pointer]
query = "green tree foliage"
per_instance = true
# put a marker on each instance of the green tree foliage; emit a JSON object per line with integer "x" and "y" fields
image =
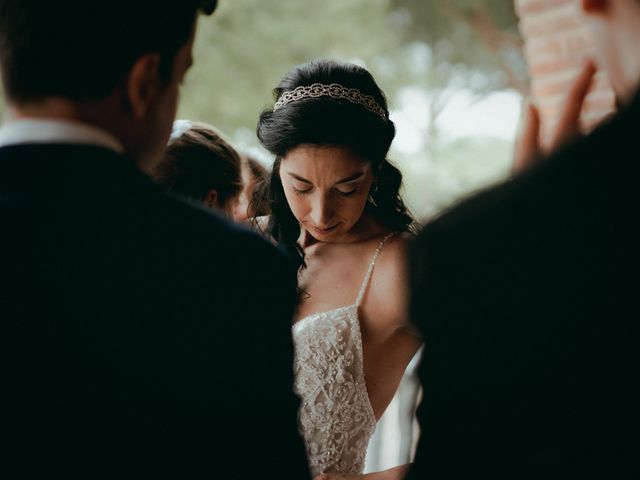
{"x": 435, "y": 179}
{"x": 438, "y": 47}
{"x": 243, "y": 51}
{"x": 481, "y": 35}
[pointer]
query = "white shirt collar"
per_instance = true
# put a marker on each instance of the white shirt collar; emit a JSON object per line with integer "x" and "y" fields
{"x": 30, "y": 131}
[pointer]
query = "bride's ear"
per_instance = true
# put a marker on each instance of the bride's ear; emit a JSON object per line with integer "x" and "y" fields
{"x": 143, "y": 84}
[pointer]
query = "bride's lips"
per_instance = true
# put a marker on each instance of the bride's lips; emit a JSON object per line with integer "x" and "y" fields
{"x": 323, "y": 231}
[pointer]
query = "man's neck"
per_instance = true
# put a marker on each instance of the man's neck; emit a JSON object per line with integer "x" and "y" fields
{"x": 55, "y": 120}
{"x": 48, "y": 109}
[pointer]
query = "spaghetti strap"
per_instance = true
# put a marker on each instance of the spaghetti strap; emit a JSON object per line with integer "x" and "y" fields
{"x": 367, "y": 277}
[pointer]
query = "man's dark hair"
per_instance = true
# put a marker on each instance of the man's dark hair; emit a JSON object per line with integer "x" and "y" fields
{"x": 81, "y": 49}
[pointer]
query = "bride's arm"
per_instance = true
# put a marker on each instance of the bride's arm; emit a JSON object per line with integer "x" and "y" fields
{"x": 391, "y": 339}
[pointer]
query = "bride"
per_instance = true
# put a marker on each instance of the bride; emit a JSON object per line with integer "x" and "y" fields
{"x": 336, "y": 208}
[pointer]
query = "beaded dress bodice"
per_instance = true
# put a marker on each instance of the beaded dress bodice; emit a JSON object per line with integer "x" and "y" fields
{"x": 336, "y": 418}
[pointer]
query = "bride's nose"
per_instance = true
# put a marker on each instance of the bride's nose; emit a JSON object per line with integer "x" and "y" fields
{"x": 321, "y": 211}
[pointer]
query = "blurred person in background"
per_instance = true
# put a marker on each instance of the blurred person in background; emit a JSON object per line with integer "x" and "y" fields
{"x": 252, "y": 204}
{"x": 258, "y": 176}
{"x": 199, "y": 164}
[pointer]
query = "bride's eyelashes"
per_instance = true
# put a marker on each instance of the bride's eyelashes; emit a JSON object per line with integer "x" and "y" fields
{"x": 347, "y": 193}
{"x": 301, "y": 192}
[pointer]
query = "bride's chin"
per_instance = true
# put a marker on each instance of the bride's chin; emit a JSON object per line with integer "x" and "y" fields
{"x": 322, "y": 237}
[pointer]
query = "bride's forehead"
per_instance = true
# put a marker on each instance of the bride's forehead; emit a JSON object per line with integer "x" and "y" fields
{"x": 325, "y": 159}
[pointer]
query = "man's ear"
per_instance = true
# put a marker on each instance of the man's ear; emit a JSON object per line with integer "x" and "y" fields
{"x": 143, "y": 84}
{"x": 594, "y": 6}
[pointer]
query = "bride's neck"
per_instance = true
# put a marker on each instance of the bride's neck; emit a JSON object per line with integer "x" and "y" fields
{"x": 365, "y": 229}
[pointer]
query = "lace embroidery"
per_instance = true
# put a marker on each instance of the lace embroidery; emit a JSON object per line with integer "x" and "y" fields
{"x": 336, "y": 418}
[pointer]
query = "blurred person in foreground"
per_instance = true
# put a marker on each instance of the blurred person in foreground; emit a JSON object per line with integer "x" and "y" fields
{"x": 131, "y": 344}
{"x": 522, "y": 297}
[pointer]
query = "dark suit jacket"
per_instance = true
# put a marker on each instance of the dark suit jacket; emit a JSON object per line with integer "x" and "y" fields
{"x": 140, "y": 337}
{"x": 524, "y": 298}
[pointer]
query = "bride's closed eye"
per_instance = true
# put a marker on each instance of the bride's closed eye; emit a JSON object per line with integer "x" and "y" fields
{"x": 348, "y": 188}
{"x": 347, "y": 193}
{"x": 301, "y": 191}
{"x": 344, "y": 193}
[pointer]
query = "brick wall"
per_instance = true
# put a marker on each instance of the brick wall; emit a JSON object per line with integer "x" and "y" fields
{"x": 556, "y": 44}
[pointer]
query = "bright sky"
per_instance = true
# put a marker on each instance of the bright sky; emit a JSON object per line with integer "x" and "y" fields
{"x": 496, "y": 115}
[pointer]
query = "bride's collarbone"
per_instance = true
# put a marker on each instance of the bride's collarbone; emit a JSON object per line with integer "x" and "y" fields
{"x": 334, "y": 274}
{"x": 334, "y": 259}
{"x": 332, "y": 280}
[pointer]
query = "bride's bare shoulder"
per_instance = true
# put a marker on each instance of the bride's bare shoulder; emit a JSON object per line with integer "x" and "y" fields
{"x": 389, "y": 282}
{"x": 392, "y": 260}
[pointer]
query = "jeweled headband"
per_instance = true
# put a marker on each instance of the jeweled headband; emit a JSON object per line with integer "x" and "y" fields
{"x": 334, "y": 90}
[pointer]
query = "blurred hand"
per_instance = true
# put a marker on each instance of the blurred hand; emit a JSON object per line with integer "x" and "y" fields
{"x": 528, "y": 149}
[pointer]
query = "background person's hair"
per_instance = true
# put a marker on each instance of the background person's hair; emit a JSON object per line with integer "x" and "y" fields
{"x": 326, "y": 121}
{"x": 259, "y": 177}
{"x": 199, "y": 161}
{"x": 257, "y": 170}
{"x": 81, "y": 49}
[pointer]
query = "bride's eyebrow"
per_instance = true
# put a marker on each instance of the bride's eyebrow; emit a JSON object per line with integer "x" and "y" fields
{"x": 351, "y": 178}
{"x": 299, "y": 178}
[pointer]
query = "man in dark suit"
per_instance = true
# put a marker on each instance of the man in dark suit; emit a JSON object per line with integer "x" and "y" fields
{"x": 140, "y": 337}
{"x": 524, "y": 297}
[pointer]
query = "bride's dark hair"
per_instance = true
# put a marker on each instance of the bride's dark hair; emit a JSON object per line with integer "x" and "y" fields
{"x": 328, "y": 121}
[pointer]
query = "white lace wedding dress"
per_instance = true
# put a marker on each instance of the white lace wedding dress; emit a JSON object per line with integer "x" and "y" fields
{"x": 336, "y": 418}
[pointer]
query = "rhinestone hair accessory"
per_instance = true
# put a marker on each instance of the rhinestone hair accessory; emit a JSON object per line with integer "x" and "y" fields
{"x": 334, "y": 90}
